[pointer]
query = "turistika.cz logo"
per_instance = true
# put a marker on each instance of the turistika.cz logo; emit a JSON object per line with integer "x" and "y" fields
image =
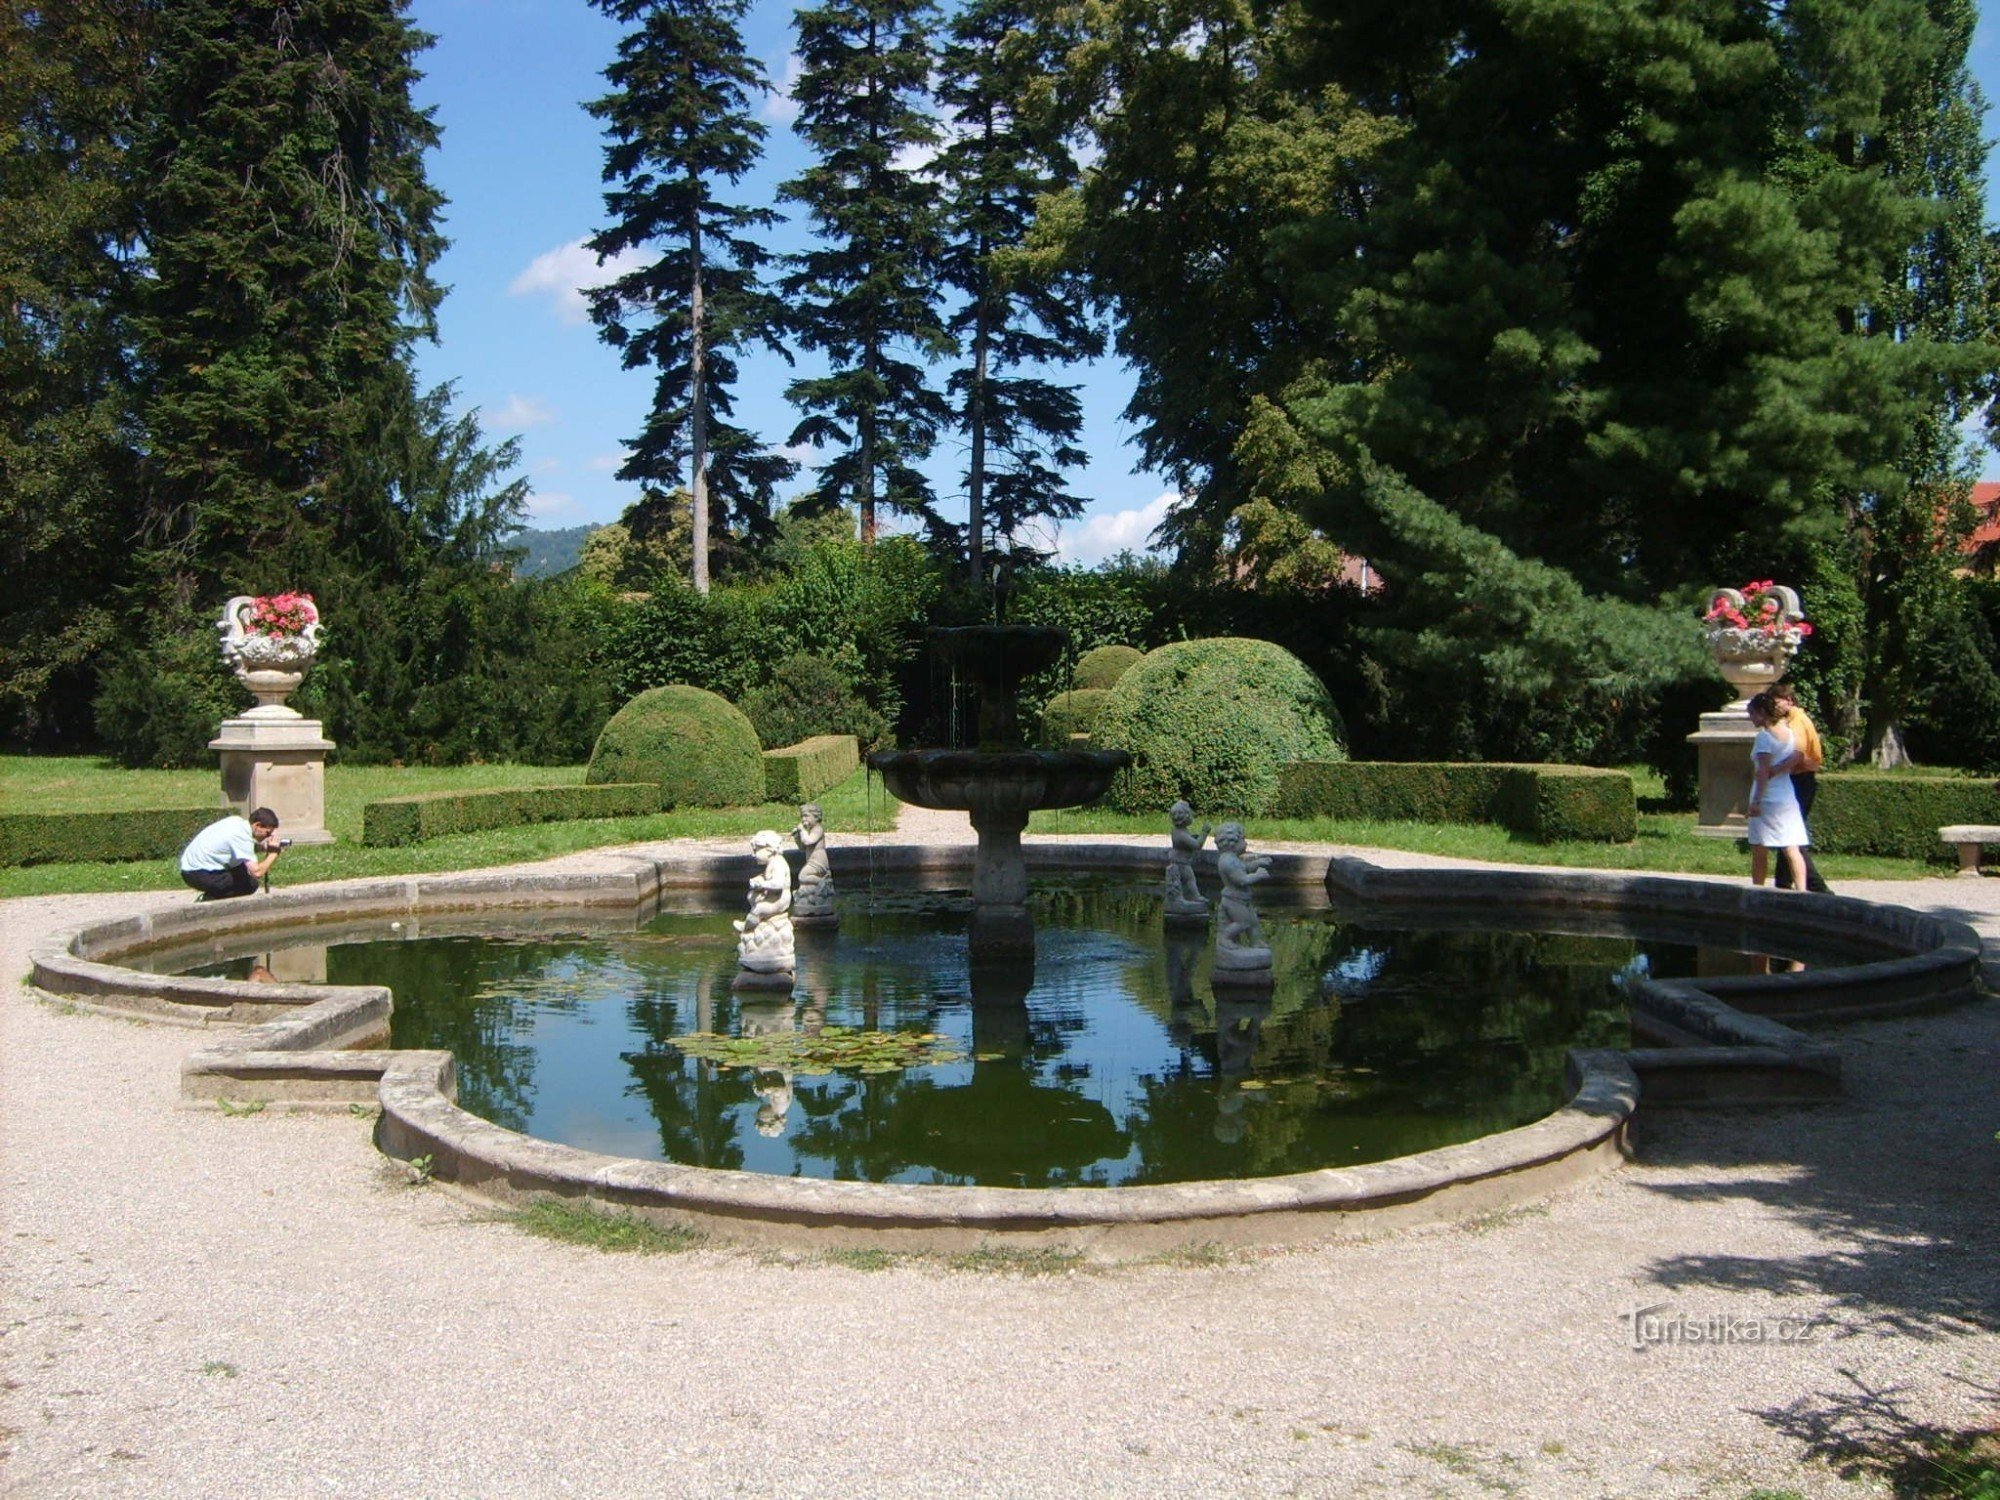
{"x": 1658, "y": 1324}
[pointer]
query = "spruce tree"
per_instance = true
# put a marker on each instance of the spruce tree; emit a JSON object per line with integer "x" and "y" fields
{"x": 289, "y": 231}
{"x": 680, "y": 124}
{"x": 70, "y": 77}
{"x": 865, "y": 296}
{"x": 1005, "y": 155}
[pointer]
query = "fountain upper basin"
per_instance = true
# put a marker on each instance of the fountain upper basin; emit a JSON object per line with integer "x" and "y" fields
{"x": 998, "y": 781}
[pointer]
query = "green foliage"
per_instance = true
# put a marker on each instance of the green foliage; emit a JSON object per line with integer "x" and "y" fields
{"x": 1021, "y": 314}
{"x": 864, "y": 295}
{"x": 70, "y": 78}
{"x": 1102, "y": 666}
{"x": 616, "y": 1233}
{"x": 1213, "y": 721}
{"x": 1070, "y": 714}
{"x": 814, "y": 695}
{"x": 1550, "y": 804}
{"x": 160, "y": 702}
{"x": 63, "y": 837}
{"x": 823, "y": 1051}
{"x": 795, "y": 773}
{"x": 681, "y": 121}
{"x": 431, "y": 815}
{"x": 697, "y": 747}
{"x": 1860, "y": 813}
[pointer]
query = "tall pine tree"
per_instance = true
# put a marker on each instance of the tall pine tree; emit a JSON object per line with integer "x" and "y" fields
{"x": 1004, "y": 156}
{"x": 680, "y": 124}
{"x": 290, "y": 231}
{"x": 70, "y": 77}
{"x": 865, "y": 296}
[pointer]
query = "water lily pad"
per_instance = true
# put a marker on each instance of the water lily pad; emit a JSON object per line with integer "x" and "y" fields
{"x": 833, "y": 1048}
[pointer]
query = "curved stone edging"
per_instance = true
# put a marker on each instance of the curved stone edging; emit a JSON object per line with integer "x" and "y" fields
{"x": 302, "y": 1048}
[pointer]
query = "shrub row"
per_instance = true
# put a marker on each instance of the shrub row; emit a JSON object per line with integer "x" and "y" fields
{"x": 1899, "y": 816}
{"x": 799, "y": 772}
{"x": 61, "y": 838}
{"x": 1071, "y": 714}
{"x": 410, "y": 820}
{"x": 1549, "y": 804}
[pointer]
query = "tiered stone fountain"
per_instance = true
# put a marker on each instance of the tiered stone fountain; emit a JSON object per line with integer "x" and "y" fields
{"x": 1000, "y": 781}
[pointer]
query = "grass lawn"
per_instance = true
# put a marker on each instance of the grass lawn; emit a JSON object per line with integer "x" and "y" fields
{"x": 1666, "y": 841}
{"x": 37, "y": 783}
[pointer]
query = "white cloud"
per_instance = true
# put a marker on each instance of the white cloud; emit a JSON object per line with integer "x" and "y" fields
{"x": 805, "y": 455}
{"x": 520, "y": 413}
{"x": 548, "y": 466}
{"x": 565, "y": 273}
{"x": 543, "y": 504}
{"x": 607, "y": 463}
{"x": 1094, "y": 538}
{"x": 779, "y": 104}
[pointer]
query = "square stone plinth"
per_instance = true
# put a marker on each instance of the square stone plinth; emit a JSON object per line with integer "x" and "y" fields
{"x": 279, "y": 764}
{"x": 1722, "y": 748}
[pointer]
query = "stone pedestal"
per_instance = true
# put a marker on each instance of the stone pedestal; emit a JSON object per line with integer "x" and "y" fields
{"x": 1722, "y": 746}
{"x": 277, "y": 760}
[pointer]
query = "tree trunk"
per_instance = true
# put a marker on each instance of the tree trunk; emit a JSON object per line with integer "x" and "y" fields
{"x": 1889, "y": 753}
{"x": 975, "y": 484}
{"x": 698, "y": 409}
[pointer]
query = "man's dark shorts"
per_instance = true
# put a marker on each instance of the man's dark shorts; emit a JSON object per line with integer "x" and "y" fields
{"x": 220, "y": 885}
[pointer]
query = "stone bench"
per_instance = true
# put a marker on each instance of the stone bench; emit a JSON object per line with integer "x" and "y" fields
{"x": 1968, "y": 837}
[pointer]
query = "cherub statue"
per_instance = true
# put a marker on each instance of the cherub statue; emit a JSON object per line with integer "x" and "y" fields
{"x": 764, "y": 944}
{"x": 1239, "y": 941}
{"x": 1183, "y": 896}
{"x": 813, "y": 902}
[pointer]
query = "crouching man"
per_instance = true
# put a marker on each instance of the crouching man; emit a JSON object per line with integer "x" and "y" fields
{"x": 222, "y": 860}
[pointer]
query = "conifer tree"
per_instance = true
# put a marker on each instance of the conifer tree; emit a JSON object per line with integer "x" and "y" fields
{"x": 680, "y": 124}
{"x": 70, "y": 77}
{"x": 1021, "y": 429}
{"x": 290, "y": 230}
{"x": 865, "y": 296}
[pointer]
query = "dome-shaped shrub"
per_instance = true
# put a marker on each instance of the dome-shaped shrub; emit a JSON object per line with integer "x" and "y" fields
{"x": 1070, "y": 714}
{"x": 1104, "y": 665}
{"x": 1212, "y": 721}
{"x": 698, "y": 747}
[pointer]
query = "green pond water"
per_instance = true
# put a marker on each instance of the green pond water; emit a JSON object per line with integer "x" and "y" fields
{"x": 1113, "y": 1060}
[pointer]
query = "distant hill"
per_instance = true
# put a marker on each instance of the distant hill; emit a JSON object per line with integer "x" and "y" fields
{"x": 549, "y": 552}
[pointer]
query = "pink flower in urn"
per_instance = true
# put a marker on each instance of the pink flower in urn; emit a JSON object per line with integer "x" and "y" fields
{"x": 282, "y": 614}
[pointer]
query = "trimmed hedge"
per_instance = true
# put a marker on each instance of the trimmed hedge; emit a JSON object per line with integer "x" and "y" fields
{"x": 1858, "y": 812}
{"x": 1070, "y": 714}
{"x": 1550, "y": 804}
{"x": 1213, "y": 721}
{"x": 1102, "y": 666}
{"x": 93, "y": 837}
{"x": 697, "y": 746}
{"x": 801, "y": 772}
{"x": 433, "y": 815}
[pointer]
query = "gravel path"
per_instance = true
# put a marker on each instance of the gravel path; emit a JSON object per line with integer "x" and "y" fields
{"x": 201, "y": 1305}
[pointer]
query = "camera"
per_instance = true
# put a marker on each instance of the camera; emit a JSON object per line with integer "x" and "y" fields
{"x": 284, "y": 843}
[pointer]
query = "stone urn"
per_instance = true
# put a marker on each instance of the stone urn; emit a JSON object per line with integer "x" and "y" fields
{"x": 270, "y": 664}
{"x": 1753, "y": 634}
{"x": 1753, "y": 654}
{"x": 272, "y": 755}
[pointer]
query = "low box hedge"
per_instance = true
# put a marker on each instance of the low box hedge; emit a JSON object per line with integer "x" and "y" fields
{"x": 411, "y": 820}
{"x": 1550, "y": 804}
{"x": 1860, "y": 812}
{"x": 64, "y": 838}
{"x": 800, "y": 772}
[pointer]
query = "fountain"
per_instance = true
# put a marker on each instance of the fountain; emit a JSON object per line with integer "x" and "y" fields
{"x": 1001, "y": 781}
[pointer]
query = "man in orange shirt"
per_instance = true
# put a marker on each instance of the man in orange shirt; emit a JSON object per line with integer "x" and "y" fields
{"x": 1806, "y": 758}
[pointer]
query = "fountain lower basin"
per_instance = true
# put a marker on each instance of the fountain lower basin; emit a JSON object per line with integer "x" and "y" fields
{"x": 1706, "y": 1042}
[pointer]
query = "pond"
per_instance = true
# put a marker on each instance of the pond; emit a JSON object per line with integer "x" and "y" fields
{"x": 1111, "y": 1060}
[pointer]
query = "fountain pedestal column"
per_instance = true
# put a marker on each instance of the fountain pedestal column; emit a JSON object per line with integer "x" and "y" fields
{"x": 1001, "y": 927}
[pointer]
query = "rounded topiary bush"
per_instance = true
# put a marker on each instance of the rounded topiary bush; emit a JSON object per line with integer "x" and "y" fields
{"x": 1213, "y": 721}
{"x": 1104, "y": 665}
{"x": 1070, "y": 714}
{"x": 699, "y": 748}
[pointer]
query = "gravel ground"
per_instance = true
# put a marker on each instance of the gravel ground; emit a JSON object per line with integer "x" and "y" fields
{"x": 204, "y": 1305}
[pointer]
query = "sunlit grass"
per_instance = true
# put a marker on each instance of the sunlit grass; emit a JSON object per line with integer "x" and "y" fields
{"x": 90, "y": 783}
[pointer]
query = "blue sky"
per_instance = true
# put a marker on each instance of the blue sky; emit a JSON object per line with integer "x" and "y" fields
{"x": 520, "y": 165}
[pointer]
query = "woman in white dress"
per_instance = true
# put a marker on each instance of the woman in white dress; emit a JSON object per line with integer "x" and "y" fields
{"x": 1775, "y": 819}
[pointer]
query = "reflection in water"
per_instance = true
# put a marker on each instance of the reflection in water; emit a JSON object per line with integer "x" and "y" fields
{"x": 1108, "y": 1059}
